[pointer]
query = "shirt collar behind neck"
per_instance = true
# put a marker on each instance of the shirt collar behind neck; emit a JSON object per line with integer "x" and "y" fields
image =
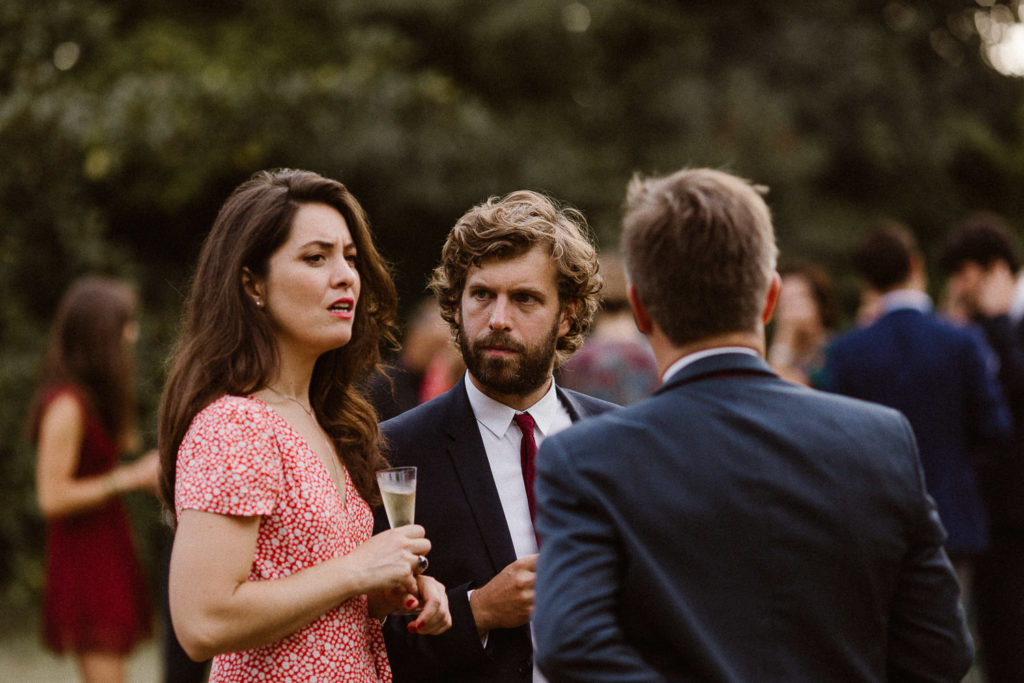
{"x": 698, "y": 355}
{"x": 497, "y": 416}
{"x": 906, "y": 298}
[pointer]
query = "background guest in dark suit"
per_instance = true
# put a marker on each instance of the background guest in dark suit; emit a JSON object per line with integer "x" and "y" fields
{"x": 981, "y": 256}
{"x": 936, "y": 374}
{"x": 734, "y": 526}
{"x": 518, "y": 284}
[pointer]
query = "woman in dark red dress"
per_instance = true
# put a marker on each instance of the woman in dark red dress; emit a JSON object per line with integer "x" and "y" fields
{"x": 96, "y": 603}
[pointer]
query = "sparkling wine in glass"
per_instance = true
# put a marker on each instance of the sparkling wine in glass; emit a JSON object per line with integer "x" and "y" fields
{"x": 398, "y": 489}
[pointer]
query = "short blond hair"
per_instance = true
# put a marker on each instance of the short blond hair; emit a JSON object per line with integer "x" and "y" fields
{"x": 503, "y": 228}
{"x": 700, "y": 252}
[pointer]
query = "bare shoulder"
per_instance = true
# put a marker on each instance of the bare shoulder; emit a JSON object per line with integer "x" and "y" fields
{"x": 64, "y": 408}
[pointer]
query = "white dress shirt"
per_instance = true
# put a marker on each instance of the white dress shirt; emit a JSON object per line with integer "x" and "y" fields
{"x": 502, "y": 441}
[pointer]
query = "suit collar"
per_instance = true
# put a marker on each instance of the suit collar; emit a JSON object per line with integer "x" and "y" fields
{"x": 576, "y": 410}
{"x": 695, "y": 356}
{"x": 465, "y": 450}
{"x": 725, "y": 363}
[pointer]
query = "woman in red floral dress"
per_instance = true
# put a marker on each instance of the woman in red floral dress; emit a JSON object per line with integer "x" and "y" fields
{"x": 269, "y": 451}
{"x": 96, "y": 603}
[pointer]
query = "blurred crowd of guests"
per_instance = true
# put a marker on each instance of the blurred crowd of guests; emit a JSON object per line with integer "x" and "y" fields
{"x": 955, "y": 371}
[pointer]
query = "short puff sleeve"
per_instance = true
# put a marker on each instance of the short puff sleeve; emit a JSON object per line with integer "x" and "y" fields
{"x": 229, "y": 462}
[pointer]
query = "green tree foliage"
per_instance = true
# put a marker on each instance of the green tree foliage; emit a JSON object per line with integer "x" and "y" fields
{"x": 123, "y": 126}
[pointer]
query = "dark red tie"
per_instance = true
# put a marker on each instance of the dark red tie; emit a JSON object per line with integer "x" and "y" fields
{"x": 528, "y": 455}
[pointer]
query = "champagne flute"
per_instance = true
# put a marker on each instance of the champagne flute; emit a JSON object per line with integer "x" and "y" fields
{"x": 398, "y": 489}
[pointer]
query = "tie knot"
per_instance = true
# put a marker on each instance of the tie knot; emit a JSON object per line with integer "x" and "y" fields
{"x": 526, "y": 422}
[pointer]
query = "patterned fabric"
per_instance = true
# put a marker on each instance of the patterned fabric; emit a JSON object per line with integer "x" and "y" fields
{"x": 617, "y": 371}
{"x": 95, "y": 596}
{"x": 240, "y": 457}
{"x": 528, "y": 455}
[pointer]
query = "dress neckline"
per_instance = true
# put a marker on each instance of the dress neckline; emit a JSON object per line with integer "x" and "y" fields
{"x": 323, "y": 466}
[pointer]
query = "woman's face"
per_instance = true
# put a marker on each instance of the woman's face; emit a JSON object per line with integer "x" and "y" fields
{"x": 312, "y": 284}
{"x": 796, "y": 301}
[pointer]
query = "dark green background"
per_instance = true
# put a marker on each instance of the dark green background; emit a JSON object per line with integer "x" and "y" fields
{"x": 847, "y": 110}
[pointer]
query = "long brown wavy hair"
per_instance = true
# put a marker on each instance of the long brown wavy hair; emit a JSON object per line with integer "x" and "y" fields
{"x": 87, "y": 349}
{"x": 227, "y": 346}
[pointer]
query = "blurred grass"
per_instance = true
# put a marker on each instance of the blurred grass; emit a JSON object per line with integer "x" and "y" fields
{"x": 23, "y": 659}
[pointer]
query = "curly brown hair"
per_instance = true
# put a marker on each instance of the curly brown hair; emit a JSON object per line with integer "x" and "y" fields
{"x": 507, "y": 227}
{"x": 226, "y": 347}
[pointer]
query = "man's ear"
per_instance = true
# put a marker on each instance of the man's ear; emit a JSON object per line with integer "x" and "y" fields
{"x": 566, "y": 316}
{"x": 640, "y": 314}
{"x": 771, "y": 299}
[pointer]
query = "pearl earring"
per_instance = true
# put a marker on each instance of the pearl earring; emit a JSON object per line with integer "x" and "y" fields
{"x": 259, "y": 303}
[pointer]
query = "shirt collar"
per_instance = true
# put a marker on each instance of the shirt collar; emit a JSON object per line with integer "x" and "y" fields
{"x": 906, "y": 298}
{"x": 706, "y": 353}
{"x": 497, "y": 416}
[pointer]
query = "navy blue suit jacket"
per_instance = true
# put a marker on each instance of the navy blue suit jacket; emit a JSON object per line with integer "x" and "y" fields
{"x": 458, "y": 505}
{"x": 736, "y": 527}
{"x": 937, "y": 375}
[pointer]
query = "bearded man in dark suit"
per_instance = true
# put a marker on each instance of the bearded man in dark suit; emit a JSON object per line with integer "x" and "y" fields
{"x": 518, "y": 284}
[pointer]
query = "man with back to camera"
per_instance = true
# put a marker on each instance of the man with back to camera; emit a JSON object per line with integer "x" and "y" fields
{"x": 518, "y": 285}
{"x": 734, "y": 526}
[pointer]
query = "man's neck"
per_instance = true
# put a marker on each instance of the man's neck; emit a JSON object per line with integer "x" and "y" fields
{"x": 520, "y": 402}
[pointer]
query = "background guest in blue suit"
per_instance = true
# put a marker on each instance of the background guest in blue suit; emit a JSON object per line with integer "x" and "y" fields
{"x": 734, "y": 526}
{"x": 936, "y": 374}
{"x": 518, "y": 285}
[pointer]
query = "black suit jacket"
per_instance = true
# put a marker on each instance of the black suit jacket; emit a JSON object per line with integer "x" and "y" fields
{"x": 1002, "y": 472}
{"x": 458, "y": 505}
{"x": 736, "y": 528}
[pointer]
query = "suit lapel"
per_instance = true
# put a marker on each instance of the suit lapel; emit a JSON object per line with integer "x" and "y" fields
{"x": 572, "y": 406}
{"x": 469, "y": 459}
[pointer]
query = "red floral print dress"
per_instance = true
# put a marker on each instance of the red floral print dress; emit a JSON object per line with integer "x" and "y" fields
{"x": 240, "y": 457}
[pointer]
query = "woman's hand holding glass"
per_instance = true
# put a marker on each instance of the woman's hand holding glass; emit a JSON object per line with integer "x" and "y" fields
{"x": 390, "y": 559}
{"x": 392, "y": 562}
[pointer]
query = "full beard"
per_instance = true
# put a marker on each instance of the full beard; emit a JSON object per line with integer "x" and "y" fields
{"x": 515, "y": 375}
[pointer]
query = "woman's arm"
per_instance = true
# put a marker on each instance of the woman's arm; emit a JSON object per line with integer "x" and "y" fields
{"x": 215, "y": 608}
{"x": 59, "y": 492}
